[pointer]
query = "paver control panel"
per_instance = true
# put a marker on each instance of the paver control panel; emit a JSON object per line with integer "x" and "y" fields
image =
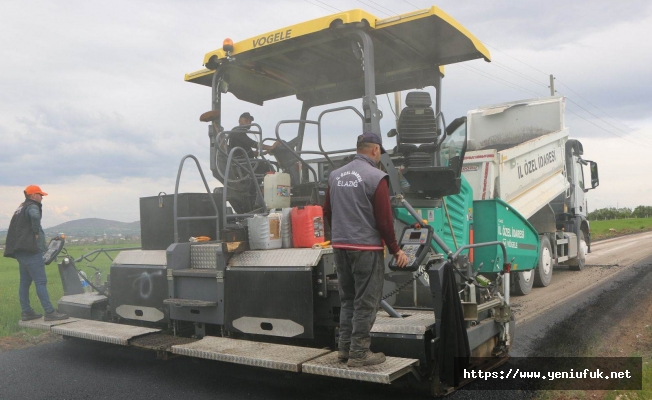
{"x": 415, "y": 244}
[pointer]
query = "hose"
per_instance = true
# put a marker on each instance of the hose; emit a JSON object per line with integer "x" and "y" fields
{"x": 450, "y": 225}
{"x": 398, "y": 289}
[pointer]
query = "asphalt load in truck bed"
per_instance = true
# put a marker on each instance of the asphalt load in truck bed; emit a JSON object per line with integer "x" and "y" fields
{"x": 81, "y": 369}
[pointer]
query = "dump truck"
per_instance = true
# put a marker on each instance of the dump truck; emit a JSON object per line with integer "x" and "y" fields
{"x": 521, "y": 152}
{"x": 196, "y": 289}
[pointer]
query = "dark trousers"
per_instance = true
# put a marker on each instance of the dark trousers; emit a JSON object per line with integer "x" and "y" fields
{"x": 360, "y": 275}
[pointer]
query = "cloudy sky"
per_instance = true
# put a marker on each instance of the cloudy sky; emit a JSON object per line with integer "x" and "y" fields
{"x": 95, "y": 109}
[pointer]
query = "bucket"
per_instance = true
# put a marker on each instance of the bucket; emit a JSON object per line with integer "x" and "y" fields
{"x": 307, "y": 226}
{"x": 265, "y": 232}
{"x": 276, "y": 190}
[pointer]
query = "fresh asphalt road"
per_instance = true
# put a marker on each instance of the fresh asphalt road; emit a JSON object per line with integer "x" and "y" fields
{"x": 75, "y": 369}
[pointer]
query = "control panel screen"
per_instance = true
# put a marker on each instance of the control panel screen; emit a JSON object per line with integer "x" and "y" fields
{"x": 415, "y": 235}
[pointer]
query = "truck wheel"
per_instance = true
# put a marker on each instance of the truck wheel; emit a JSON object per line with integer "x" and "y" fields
{"x": 543, "y": 273}
{"x": 578, "y": 265}
{"x": 522, "y": 282}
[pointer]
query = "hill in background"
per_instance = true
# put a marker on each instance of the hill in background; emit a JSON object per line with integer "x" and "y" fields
{"x": 88, "y": 227}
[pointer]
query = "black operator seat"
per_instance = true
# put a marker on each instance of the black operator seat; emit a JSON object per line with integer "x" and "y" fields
{"x": 417, "y": 130}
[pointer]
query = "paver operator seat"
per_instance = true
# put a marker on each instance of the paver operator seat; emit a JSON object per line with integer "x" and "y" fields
{"x": 417, "y": 130}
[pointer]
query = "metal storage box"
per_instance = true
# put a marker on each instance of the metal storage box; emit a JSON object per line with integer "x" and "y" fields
{"x": 157, "y": 223}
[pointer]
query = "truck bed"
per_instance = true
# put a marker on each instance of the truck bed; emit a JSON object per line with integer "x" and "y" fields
{"x": 527, "y": 175}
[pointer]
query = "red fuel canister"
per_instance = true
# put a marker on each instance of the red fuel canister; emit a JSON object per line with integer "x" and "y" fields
{"x": 307, "y": 226}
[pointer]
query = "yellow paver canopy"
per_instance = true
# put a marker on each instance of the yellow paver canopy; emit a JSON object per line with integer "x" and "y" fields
{"x": 316, "y": 61}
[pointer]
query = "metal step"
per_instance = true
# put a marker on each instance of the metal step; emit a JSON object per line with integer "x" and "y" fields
{"x": 44, "y": 325}
{"x": 83, "y": 299}
{"x": 159, "y": 341}
{"x": 256, "y": 354}
{"x": 102, "y": 331}
{"x": 190, "y": 303}
{"x": 328, "y": 365}
{"x": 198, "y": 273}
{"x": 414, "y": 322}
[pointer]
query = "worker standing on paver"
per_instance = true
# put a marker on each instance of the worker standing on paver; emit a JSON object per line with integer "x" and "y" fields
{"x": 359, "y": 212}
{"x": 26, "y": 243}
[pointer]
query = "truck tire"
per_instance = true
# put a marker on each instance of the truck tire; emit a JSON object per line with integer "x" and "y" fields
{"x": 543, "y": 273}
{"x": 578, "y": 264}
{"x": 522, "y": 282}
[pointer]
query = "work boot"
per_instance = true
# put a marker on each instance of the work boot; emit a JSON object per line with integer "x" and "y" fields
{"x": 367, "y": 358}
{"x": 342, "y": 355}
{"x": 55, "y": 316}
{"x": 30, "y": 315}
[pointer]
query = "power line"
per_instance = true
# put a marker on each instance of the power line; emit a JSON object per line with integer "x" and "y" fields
{"x": 598, "y": 108}
{"x": 521, "y": 88}
{"x": 513, "y": 71}
{"x": 326, "y": 4}
{"x": 571, "y": 100}
{"x": 405, "y": 1}
{"x": 522, "y": 62}
{"x": 380, "y": 5}
{"x": 324, "y": 8}
{"x": 596, "y": 116}
{"x": 500, "y": 80}
{"x": 604, "y": 129}
{"x": 377, "y": 9}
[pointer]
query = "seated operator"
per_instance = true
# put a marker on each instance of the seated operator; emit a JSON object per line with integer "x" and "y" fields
{"x": 238, "y": 137}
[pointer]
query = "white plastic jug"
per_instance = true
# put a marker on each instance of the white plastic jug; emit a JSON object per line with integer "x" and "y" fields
{"x": 265, "y": 232}
{"x": 286, "y": 228}
{"x": 277, "y": 190}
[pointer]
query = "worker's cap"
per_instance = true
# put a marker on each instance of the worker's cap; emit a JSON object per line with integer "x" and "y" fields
{"x": 370, "y": 137}
{"x": 247, "y": 115}
{"x": 33, "y": 189}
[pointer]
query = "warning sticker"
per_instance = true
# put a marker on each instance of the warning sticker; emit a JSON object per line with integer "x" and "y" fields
{"x": 431, "y": 215}
{"x": 282, "y": 190}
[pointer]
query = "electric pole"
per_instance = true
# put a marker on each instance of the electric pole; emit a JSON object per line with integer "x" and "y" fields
{"x": 552, "y": 85}
{"x": 397, "y": 105}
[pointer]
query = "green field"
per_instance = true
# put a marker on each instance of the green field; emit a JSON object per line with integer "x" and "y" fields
{"x": 600, "y": 229}
{"x": 10, "y": 277}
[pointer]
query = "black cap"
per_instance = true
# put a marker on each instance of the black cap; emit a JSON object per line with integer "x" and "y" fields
{"x": 370, "y": 137}
{"x": 247, "y": 115}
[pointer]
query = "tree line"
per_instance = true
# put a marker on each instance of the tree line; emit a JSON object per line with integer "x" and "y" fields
{"x": 620, "y": 213}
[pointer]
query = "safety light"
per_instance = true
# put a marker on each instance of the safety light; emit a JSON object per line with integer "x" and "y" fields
{"x": 227, "y": 45}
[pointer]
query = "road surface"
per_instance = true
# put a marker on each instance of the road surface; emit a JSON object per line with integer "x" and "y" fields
{"x": 607, "y": 260}
{"x": 73, "y": 369}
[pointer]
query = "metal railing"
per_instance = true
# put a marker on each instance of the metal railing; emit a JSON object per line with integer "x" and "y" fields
{"x": 210, "y": 195}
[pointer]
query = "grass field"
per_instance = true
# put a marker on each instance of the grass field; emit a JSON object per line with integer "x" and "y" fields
{"x": 10, "y": 278}
{"x": 600, "y": 229}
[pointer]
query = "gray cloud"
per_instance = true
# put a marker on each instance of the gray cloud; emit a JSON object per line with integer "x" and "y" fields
{"x": 96, "y": 89}
{"x": 62, "y": 141}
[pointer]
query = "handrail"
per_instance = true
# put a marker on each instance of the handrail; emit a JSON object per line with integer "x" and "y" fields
{"x": 176, "y": 194}
{"x": 319, "y": 127}
{"x": 324, "y": 153}
{"x": 220, "y": 150}
{"x": 278, "y": 137}
{"x": 443, "y": 136}
{"x": 100, "y": 251}
{"x": 259, "y": 132}
{"x": 484, "y": 244}
{"x": 259, "y": 195}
